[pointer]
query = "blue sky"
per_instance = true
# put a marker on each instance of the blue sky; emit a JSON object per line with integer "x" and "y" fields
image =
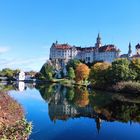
{"x": 29, "y": 27}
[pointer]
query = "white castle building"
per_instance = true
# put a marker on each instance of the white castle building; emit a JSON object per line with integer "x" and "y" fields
{"x": 98, "y": 52}
{"x": 130, "y": 55}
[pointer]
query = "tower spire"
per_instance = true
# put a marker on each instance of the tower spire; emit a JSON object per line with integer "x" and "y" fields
{"x": 98, "y": 35}
{"x": 98, "y": 41}
{"x": 129, "y": 50}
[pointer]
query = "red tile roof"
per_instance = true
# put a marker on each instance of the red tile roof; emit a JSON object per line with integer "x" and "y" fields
{"x": 62, "y": 46}
{"x": 107, "y": 48}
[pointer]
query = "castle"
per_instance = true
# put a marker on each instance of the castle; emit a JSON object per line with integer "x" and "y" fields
{"x": 62, "y": 53}
{"x": 130, "y": 55}
{"x": 65, "y": 52}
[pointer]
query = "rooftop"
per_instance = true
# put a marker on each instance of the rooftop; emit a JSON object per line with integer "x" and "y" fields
{"x": 105, "y": 48}
{"x": 62, "y": 46}
{"x": 108, "y": 48}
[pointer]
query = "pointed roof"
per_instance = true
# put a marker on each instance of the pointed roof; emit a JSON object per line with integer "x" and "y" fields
{"x": 130, "y": 44}
{"x": 130, "y": 50}
{"x": 98, "y": 37}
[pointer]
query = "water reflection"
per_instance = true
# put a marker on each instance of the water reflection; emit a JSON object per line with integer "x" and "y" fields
{"x": 17, "y": 86}
{"x": 73, "y": 102}
{"x": 21, "y": 86}
{"x": 63, "y": 112}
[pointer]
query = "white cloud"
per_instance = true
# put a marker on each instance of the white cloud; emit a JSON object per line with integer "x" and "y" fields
{"x": 4, "y": 49}
{"x": 34, "y": 63}
{"x": 8, "y": 60}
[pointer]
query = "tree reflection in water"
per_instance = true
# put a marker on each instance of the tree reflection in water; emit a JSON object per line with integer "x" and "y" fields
{"x": 74, "y": 102}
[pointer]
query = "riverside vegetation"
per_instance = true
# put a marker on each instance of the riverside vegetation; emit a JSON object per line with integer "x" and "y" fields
{"x": 71, "y": 109}
{"x": 13, "y": 125}
{"x": 122, "y": 75}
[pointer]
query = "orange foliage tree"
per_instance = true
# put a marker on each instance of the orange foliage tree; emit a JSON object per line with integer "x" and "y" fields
{"x": 82, "y": 72}
{"x": 81, "y": 98}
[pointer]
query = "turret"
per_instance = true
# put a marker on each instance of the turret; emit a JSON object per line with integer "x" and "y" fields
{"x": 129, "y": 50}
{"x": 98, "y": 41}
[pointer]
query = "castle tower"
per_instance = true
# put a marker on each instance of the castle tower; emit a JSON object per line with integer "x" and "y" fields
{"x": 98, "y": 41}
{"x": 129, "y": 50}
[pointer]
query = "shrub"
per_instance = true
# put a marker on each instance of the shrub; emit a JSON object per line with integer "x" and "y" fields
{"x": 13, "y": 126}
{"x": 128, "y": 87}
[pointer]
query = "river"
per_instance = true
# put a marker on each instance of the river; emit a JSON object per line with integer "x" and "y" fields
{"x": 76, "y": 113}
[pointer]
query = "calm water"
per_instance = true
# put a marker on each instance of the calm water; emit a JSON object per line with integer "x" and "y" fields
{"x": 66, "y": 113}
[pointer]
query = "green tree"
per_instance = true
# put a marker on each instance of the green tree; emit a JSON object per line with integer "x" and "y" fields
{"x": 47, "y": 71}
{"x": 46, "y": 91}
{"x": 7, "y": 72}
{"x": 120, "y": 71}
{"x": 135, "y": 67}
{"x": 70, "y": 94}
{"x": 71, "y": 73}
{"x": 73, "y": 63}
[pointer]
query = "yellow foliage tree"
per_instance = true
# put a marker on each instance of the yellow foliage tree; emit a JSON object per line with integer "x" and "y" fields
{"x": 82, "y": 97}
{"x": 82, "y": 72}
{"x": 101, "y": 66}
{"x": 99, "y": 71}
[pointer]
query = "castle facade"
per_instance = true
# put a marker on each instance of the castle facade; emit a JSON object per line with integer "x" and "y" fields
{"x": 98, "y": 52}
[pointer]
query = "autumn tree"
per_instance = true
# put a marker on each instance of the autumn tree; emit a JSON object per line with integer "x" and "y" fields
{"x": 99, "y": 72}
{"x": 81, "y": 98}
{"x": 82, "y": 72}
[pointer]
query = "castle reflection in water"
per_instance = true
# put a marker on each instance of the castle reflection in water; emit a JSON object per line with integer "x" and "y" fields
{"x": 66, "y": 103}
{"x": 61, "y": 109}
{"x": 73, "y": 102}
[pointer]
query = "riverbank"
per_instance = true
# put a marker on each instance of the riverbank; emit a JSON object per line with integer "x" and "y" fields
{"x": 130, "y": 87}
{"x": 13, "y": 125}
{"x": 64, "y": 81}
